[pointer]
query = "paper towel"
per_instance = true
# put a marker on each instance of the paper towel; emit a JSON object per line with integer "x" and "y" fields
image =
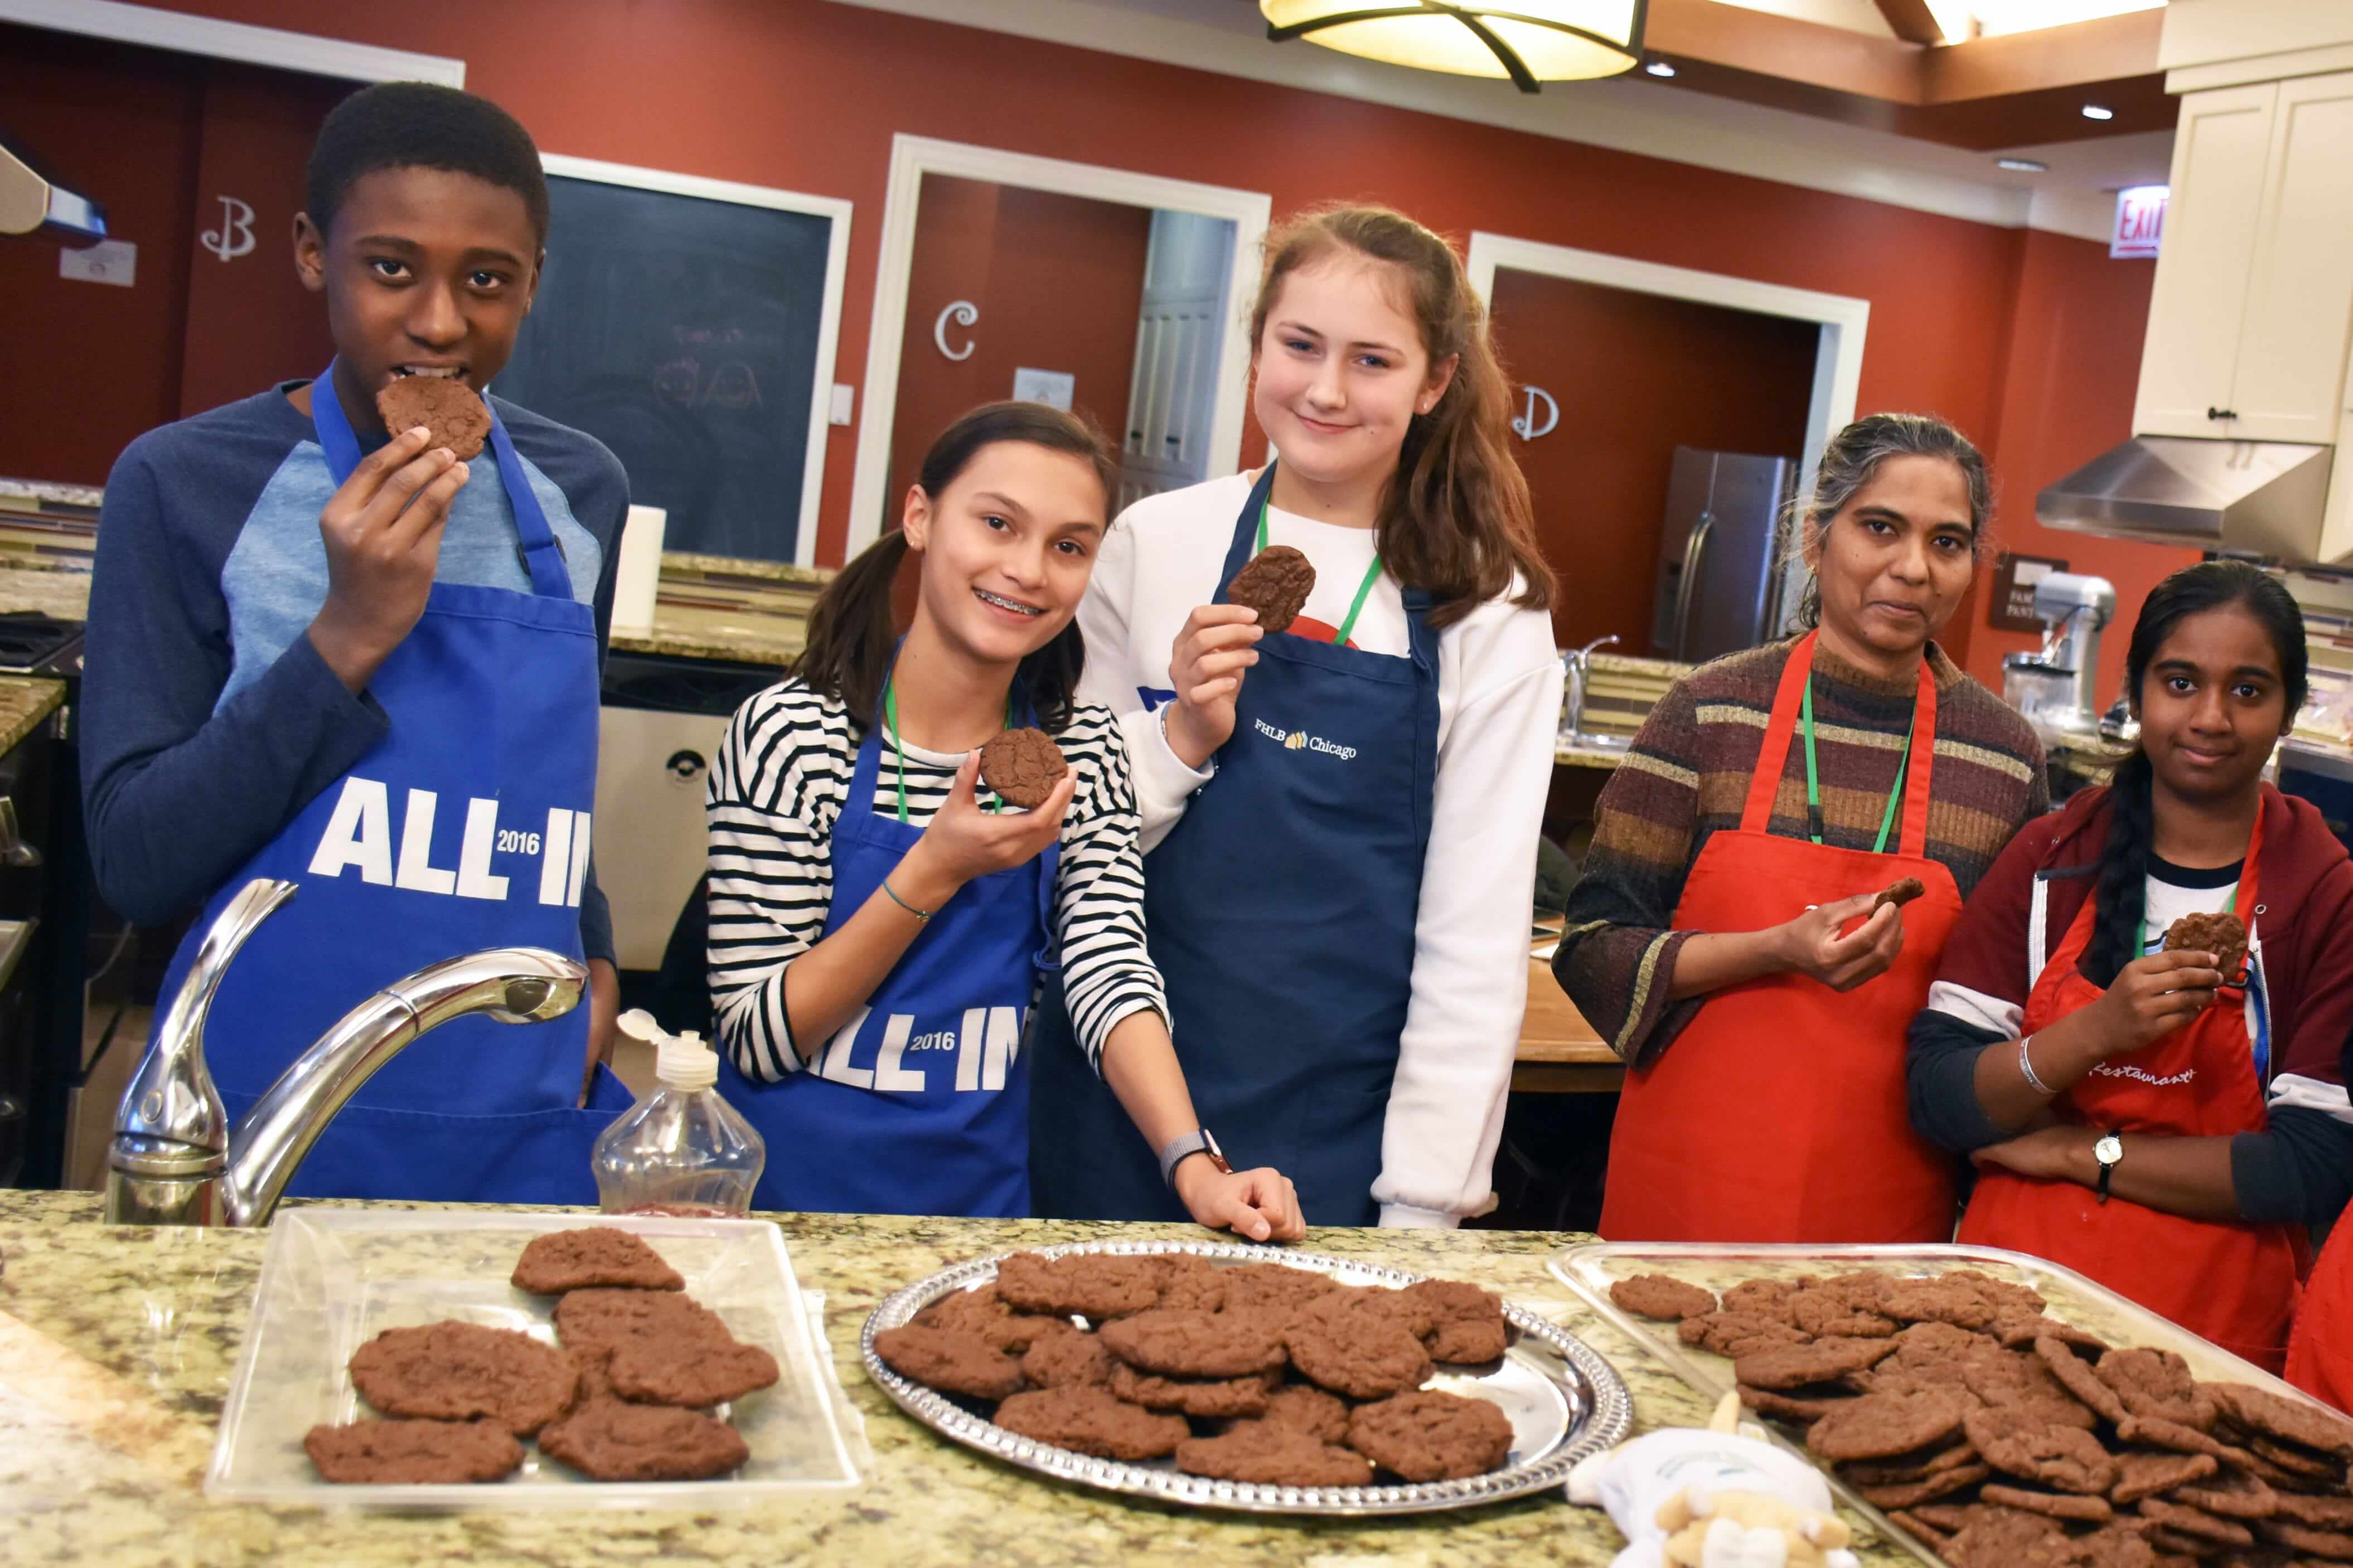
{"x": 639, "y": 572}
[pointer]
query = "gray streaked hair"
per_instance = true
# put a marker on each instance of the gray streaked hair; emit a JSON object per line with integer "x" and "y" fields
{"x": 1854, "y": 455}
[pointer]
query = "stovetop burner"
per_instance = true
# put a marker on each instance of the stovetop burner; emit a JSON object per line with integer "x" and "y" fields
{"x": 33, "y": 642}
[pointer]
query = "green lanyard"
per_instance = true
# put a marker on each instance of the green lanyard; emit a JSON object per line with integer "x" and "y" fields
{"x": 1814, "y": 782}
{"x": 1364, "y": 589}
{"x": 899, "y": 749}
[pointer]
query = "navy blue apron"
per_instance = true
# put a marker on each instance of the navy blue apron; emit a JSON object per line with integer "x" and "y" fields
{"x": 467, "y": 827}
{"x": 920, "y": 1103}
{"x": 1281, "y": 911}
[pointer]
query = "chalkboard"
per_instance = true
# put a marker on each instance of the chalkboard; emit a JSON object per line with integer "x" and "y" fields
{"x": 683, "y": 332}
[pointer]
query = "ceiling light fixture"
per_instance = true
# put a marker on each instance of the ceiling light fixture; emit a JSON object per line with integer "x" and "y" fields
{"x": 1660, "y": 69}
{"x": 1529, "y": 42}
{"x": 2022, "y": 165}
{"x": 2095, "y": 112}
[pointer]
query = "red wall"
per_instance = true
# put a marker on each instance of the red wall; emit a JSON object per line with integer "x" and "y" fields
{"x": 2072, "y": 353}
{"x": 807, "y": 95}
{"x": 1057, "y": 281}
{"x": 1637, "y": 375}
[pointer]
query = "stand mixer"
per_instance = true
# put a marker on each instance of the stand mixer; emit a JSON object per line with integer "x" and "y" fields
{"x": 2052, "y": 689}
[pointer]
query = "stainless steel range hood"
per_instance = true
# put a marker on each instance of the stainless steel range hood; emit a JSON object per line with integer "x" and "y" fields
{"x": 31, "y": 203}
{"x": 2251, "y": 498}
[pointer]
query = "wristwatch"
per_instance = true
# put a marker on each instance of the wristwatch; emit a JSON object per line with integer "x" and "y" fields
{"x": 1197, "y": 1142}
{"x": 2110, "y": 1153}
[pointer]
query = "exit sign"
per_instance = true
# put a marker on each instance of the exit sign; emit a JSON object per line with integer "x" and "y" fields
{"x": 2140, "y": 221}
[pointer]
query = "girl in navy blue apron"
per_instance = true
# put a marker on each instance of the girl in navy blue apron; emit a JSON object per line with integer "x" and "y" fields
{"x": 1341, "y": 816}
{"x": 879, "y": 919}
{"x": 409, "y": 858}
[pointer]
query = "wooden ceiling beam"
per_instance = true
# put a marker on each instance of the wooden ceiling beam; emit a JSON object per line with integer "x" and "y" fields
{"x": 1912, "y": 21}
{"x": 1766, "y": 44}
{"x": 2107, "y": 49}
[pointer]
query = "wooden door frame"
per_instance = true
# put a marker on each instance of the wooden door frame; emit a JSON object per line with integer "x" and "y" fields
{"x": 913, "y": 157}
{"x": 180, "y": 33}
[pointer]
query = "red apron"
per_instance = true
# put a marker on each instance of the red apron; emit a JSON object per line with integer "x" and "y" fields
{"x": 2320, "y": 1350}
{"x": 2230, "y": 1282}
{"x": 1778, "y": 1113}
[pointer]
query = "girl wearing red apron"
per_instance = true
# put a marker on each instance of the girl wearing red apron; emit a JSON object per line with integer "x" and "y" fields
{"x": 2320, "y": 1349}
{"x": 1726, "y": 935}
{"x": 2140, "y": 1114}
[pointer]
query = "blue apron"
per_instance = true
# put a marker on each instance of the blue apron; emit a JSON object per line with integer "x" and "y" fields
{"x": 1281, "y": 911}
{"x": 467, "y": 827}
{"x": 920, "y": 1103}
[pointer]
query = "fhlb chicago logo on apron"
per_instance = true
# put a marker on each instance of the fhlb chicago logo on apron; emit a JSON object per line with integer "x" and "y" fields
{"x": 1300, "y": 741}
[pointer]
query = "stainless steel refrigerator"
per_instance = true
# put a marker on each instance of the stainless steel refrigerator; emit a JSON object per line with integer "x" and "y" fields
{"x": 1720, "y": 555}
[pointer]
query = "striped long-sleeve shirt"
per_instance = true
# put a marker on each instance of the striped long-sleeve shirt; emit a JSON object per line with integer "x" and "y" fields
{"x": 1687, "y": 775}
{"x": 781, "y": 780}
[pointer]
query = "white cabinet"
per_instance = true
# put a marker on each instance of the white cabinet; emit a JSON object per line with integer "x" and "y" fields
{"x": 2253, "y": 299}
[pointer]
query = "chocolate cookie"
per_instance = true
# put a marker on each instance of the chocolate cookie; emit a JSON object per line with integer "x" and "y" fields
{"x": 412, "y": 1453}
{"x": 1941, "y": 1300}
{"x": 2193, "y": 1522}
{"x": 1786, "y": 1366}
{"x": 2223, "y": 935}
{"x": 981, "y": 1311}
{"x": 1763, "y": 1298}
{"x": 2018, "y": 1383}
{"x": 2001, "y": 1538}
{"x": 589, "y": 1319}
{"x": 607, "y": 1440}
{"x": 1193, "y": 1284}
{"x": 2289, "y": 1420}
{"x": 2319, "y": 1512}
{"x": 1739, "y": 1332}
{"x": 1023, "y": 766}
{"x": 1901, "y": 893}
{"x": 1877, "y": 1425}
{"x": 1830, "y": 1313}
{"x": 2288, "y": 1456}
{"x": 1426, "y": 1436}
{"x": 1802, "y": 1406}
{"x": 1272, "y": 1455}
{"x": 462, "y": 1371}
{"x": 2141, "y": 1475}
{"x": 2079, "y": 1379}
{"x": 2156, "y": 1385}
{"x": 592, "y": 1256}
{"x": 1197, "y": 1345}
{"x": 1661, "y": 1297}
{"x": 1250, "y": 1285}
{"x": 2161, "y": 1433}
{"x": 1466, "y": 1323}
{"x": 1325, "y": 1418}
{"x": 1089, "y": 1284}
{"x": 2080, "y": 1507}
{"x": 1071, "y": 1356}
{"x": 1400, "y": 1309}
{"x": 950, "y": 1360}
{"x": 2018, "y": 1331}
{"x": 1089, "y": 1420}
{"x": 1204, "y": 1396}
{"x": 1275, "y": 583}
{"x": 1908, "y": 1467}
{"x": 691, "y": 1373}
{"x": 2337, "y": 1546}
{"x": 2234, "y": 1496}
{"x": 1929, "y": 1488}
{"x": 444, "y": 405}
{"x": 2064, "y": 1458}
{"x": 1360, "y": 1354}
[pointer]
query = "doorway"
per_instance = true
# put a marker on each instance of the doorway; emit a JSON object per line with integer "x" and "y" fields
{"x": 1102, "y": 290}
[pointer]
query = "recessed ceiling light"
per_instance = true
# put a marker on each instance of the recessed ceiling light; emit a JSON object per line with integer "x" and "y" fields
{"x": 2095, "y": 112}
{"x": 1660, "y": 67}
{"x": 2022, "y": 165}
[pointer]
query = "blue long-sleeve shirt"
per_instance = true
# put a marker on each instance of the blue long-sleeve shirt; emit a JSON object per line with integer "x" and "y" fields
{"x": 209, "y": 719}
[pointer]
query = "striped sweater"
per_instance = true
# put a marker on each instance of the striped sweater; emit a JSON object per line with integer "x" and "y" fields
{"x": 1687, "y": 775}
{"x": 781, "y": 779}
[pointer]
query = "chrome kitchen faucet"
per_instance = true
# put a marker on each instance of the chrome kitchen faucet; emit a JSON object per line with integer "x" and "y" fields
{"x": 175, "y": 1160}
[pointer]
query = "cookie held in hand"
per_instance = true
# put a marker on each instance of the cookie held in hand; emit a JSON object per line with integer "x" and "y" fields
{"x": 444, "y": 405}
{"x": 2223, "y": 935}
{"x": 1023, "y": 766}
{"x": 1275, "y": 583}
{"x": 1900, "y": 894}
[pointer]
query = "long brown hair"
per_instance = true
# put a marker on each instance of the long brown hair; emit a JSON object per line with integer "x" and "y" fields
{"x": 1455, "y": 521}
{"x": 852, "y": 634}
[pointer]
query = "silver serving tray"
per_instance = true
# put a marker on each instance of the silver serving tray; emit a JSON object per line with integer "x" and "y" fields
{"x": 1562, "y": 1399}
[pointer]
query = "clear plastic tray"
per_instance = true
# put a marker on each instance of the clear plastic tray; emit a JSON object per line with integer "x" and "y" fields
{"x": 1591, "y": 1269}
{"x": 333, "y": 1278}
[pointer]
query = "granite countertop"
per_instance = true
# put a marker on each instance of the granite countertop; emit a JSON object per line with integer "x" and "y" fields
{"x": 53, "y": 591}
{"x": 118, "y": 1346}
{"x": 25, "y": 701}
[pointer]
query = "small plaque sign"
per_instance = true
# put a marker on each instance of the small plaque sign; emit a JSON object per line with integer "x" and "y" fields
{"x": 2011, "y": 608}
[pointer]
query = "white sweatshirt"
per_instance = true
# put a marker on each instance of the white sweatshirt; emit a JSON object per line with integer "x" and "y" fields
{"x": 1499, "y": 689}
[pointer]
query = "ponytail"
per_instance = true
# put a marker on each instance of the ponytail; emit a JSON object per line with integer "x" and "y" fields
{"x": 853, "y": 637}
{"x": 1456, "y": 520}
{"x": 2120, "y": 897}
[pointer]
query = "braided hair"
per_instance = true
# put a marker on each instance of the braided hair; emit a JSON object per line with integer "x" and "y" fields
{"x": 2121, "y": 894}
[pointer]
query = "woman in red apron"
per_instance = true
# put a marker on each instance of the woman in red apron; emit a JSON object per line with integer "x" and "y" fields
{"x": 2320, "y": 1350}
{"x": 1769, "y": 799}
{"x": 2140, "y": 1115}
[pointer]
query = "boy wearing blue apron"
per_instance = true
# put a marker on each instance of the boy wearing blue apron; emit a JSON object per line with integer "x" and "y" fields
{"x": 325, "y": 652}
